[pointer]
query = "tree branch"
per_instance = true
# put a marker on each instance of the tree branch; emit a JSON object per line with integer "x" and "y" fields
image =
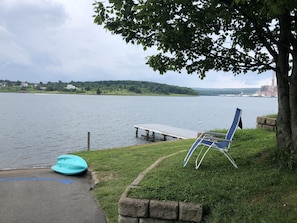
{"x": 262, "y": 35}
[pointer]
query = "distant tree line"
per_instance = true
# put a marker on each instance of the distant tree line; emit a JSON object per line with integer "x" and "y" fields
{"x": 225, "y": 91}
{"x": 99, "y": 87}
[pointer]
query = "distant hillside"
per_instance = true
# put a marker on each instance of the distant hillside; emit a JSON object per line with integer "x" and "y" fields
{"x": 225, "y": 91}
{"x": 97, "y": 87}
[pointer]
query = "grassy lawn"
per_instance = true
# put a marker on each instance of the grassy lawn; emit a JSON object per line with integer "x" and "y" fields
{"x": 259, "y": 191}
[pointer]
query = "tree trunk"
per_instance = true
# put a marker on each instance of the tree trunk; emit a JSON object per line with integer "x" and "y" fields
{"x": 285, "y": 99}
{"x": 293, "y": 107}
{"x": 283, "y": 130}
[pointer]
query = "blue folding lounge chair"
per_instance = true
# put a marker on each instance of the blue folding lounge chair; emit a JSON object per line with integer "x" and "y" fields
{"x": 215, "y": 140}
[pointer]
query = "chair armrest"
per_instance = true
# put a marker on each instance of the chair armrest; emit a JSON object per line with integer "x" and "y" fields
{"x": 215, "y": 134}
{"x": 212, "y": 138}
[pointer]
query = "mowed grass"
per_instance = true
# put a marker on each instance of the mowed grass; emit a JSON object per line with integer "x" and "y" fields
{"x": 259, "y": 191}
{"x": 117, "y": 168}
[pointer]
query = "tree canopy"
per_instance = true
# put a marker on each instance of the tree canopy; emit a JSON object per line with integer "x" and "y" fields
{"x": 199, "y": 36}
{"x": 221, "y": 35}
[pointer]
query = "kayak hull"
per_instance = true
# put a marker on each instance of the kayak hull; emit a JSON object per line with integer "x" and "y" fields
{"x": 70, "y": 165}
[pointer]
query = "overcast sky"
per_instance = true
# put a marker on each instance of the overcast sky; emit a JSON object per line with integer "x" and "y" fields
{"x": 52, "y": 40}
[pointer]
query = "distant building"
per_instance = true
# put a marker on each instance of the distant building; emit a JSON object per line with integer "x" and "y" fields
{"x": 268, "y": 90}
{"x": 24, "y": 84}
{"x": 70, "y": 87}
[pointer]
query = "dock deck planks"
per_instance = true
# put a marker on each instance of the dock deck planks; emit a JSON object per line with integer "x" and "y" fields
{"x": 166, "y": 130}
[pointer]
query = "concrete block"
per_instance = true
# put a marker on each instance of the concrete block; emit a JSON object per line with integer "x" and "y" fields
{"x": 190, "y": 212}
{"x": 153, "y": 220}
{"x": 261, "y": 120}
{"x": 133, "y": 207}
{"x": 164, "y": 209}
{"x": 269, "y": 127}
{"x": 271, "y": 121}
{"x": 123, "y": 219}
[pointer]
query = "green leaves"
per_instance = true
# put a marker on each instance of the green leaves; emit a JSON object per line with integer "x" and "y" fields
{"x": 198, "y": 36}
{"x": 99, "y": 9}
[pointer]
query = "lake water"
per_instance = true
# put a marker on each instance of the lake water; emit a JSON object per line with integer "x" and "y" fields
{"x": 36, "y": 128}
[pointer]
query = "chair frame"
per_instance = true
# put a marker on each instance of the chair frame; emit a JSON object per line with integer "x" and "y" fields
{"x": 215, "y": 140}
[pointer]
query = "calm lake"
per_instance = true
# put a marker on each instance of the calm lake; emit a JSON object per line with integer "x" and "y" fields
{"x": 37, "y": 128}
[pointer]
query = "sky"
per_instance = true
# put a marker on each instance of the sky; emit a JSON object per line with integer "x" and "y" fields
{"x": 57, "y": 40}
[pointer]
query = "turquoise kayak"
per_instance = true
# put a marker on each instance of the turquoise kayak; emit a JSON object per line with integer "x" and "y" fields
{"x": 70, "y": 165}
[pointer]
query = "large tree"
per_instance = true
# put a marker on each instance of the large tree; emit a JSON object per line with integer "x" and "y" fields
{"x": 222, "y": 35}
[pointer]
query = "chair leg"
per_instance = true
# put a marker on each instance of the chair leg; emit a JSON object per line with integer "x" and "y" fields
{"x": 230, "y": 159}
{"x": 200, "y": 152}
{"x": 191, "y": 151}
{"x": 197, "y": 166}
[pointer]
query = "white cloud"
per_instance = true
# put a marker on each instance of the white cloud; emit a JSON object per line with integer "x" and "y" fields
{"x": 51, "y": 40}
{"x": 11, "y": 52}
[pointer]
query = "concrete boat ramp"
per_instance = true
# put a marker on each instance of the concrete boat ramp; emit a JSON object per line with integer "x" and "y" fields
{"x": 165, "y": 130}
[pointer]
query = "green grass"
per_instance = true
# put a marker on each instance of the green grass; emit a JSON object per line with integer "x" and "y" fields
{"x": 117, "y": 168}
{"x": 259, "y": 191}
{"x": 272, "y": 116}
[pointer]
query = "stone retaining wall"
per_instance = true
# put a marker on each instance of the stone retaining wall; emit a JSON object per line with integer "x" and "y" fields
{"x": 154, "y": 211}
{"x": 266, "y": 123}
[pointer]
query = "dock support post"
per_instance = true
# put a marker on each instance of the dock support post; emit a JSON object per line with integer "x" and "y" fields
{"x": 164, "y": 137}
{"x": 136, "y": 132}
{"x": 147, "y": 134}
{"x": 89, "y": 136}
{"x": 153, "y": 136}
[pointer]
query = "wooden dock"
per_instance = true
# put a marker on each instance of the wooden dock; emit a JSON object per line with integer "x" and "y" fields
{"x": 165, "y": 130}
